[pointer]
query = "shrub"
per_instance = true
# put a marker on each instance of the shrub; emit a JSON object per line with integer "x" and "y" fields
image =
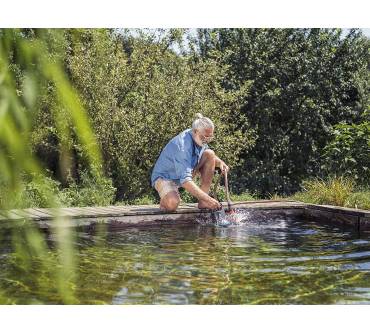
{"x": 349, "y": 152}
{"x": 91, "y": 191}
{"x": 303, "y": 82}
{"x": 140, "y": 94}
{"x": 148, "y": 199}
{"x": 246, "y": 196}
{"x": 34, "y": 192}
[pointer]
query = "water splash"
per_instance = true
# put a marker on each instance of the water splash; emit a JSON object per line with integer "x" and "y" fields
{"x": 223, "y": 219}
{"x": 245, "y": 217}
{"x": 240, "y": 216}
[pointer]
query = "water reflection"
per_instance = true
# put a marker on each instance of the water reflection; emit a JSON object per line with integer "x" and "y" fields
{"x": 259, "y": 261}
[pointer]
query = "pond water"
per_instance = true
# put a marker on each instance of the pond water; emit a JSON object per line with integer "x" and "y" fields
{"x": 257, "y": 261}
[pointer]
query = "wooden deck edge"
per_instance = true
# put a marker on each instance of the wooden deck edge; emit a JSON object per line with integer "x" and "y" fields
{"x": 150, "y": 215}
{"x": 117, "y": 211}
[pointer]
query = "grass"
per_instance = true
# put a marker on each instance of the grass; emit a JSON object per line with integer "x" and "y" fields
{"x": 187, "y": 198}
{"x": 144, "y": 200}
{"x": 246, "y": 196}
{"x": 336, "y": 191}
{"x": 360, "y": 200}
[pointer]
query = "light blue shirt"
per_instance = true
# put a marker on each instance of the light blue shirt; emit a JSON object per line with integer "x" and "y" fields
{"x": 178, "y": 159}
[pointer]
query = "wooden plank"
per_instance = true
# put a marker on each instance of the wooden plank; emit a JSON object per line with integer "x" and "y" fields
{"x": 76, "y": 212}
{"x": 103, "y": 211}
{"x": 24, "y": 213}
{"x": 58, "y": 211}
{"x": 128, "y": 208}
{"x": 93, "y": 211}
{"x": 99, "y": 208}
{"x": 121, "y": 207}
{"x": 184, "y": 209}
{"x": 71, "y": 210}
{"x": 136, "y": 211}
{"x": 364, "y": 223}
{"x": 100, "y": 212}
{"x": 85, "y": 211}
{"x": 344, "y": 210}
{"x": 346, "y": 218}
{"x": 9, "y": 215}
{"x": 38, "y": 211}
{"x": 117, "y": 209}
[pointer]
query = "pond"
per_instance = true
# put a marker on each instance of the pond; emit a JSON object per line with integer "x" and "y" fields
{"x": 260, "y": 260}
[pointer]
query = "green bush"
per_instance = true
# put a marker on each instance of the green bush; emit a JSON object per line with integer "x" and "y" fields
{"x": 140, "y": 94}
{"x": 34, "y": 192}
{"x": 148, "y": 199}
{"x": 348, "y": 153}
{"x": 302, "y": 83}
{"x": 272, "y": 117}
{"x": 91, "y": 191}
{"x": 246, "y": 196}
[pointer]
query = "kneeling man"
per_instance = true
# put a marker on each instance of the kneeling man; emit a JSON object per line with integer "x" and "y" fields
{"x": 182, "y": 158}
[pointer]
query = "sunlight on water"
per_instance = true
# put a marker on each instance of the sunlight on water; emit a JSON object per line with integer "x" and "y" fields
{"x": 259, "y": 258}
{"x": 235, "y": 217}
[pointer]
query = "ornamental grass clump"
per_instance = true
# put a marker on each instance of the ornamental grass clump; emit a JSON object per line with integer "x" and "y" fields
{"x": 334, "y": 191}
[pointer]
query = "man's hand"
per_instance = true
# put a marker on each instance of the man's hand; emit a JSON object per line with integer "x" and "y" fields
{"x": 223, "y": 167}
{"x": 195, "y": 172}
{"x": 210, "y": 203}
{"x": 205, "y": 201}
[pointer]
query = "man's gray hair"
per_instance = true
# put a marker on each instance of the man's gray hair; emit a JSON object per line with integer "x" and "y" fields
{"x": 201, "y": 123}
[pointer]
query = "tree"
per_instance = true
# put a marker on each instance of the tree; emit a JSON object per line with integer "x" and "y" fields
{"x": 304, "y": 82}
{"x": 138, "y": 94}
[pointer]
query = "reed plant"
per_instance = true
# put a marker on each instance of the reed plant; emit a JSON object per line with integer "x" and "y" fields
{"x": 336, "y": 191}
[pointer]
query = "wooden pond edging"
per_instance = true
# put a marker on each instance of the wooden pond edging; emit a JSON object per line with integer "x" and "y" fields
{"x": 145, "y": 215}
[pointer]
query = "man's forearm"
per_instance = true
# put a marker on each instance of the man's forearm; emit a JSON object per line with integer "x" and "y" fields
{"x": 195, "y": 190}
{"x": 218, "y": 161}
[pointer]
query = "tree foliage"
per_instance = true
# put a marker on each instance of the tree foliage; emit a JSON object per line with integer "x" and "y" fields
{"x": 139, "y": 94}
{"x": 303, "y": 83}
{"x": 277, "y": 97}
{"x": 348, "y": 153}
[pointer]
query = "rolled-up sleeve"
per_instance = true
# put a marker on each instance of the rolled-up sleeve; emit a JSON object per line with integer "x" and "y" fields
{"x": 182, "y": 162}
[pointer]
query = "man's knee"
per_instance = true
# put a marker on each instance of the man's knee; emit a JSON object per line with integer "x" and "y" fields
{"x": 170, "y": 202}
{"x": 209, "y": 154}
{"x": 209, "y": 159}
